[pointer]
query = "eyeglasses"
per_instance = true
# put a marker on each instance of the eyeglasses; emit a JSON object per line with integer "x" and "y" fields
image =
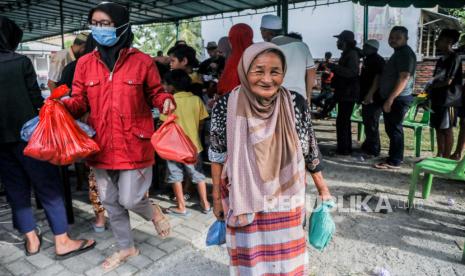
{"x": 101, "y": 23}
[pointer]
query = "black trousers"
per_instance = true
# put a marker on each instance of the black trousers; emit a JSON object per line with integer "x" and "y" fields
{"x": 344, "y": 127}
{"x": 394, "y": 129}
{"x": 371, "y": 114}
{"x": 19, "y": 175}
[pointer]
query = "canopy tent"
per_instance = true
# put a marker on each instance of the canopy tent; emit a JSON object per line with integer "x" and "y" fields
{"x": 404, "y": 4}
{"x": 440, "y": 20}
{"x": 46, "y": 18}
{"x": 431, "y": 23}
{"x": 415, "y": 3}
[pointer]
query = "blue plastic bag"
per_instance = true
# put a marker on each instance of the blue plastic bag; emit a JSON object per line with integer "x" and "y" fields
{"x": 321, "y": 226}
{"x": 216, "y": 233}
{"x": 28, "y": 128}
{"x": 87, "y": 129}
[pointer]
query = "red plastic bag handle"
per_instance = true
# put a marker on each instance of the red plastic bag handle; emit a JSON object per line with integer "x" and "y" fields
{"x": 59, "y": 92}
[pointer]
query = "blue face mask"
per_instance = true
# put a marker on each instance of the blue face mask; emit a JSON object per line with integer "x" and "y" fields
{"x": 106, "y": 36}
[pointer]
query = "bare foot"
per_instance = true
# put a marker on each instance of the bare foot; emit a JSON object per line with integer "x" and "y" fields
{"x": 100, "y": 219}
{"x": 161, "y": 222}
{"x": 64, "y": 245}
{"x": 205, "y": 205}
{"x": 118, "y": 258}
{"x": 32, "y": 242}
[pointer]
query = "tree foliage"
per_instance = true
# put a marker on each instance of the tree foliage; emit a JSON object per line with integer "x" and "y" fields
{"x": 160, "y": 37}
{"x": 459, "y": 13}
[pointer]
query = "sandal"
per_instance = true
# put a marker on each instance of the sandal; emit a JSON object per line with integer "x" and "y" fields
{"x": 173, "y": 211}
{"x": 82, "y": 249}
{"x": 385, "y": 166}
{"x": 27, "y": 252}
{"x": 115, "y": 260}
{"x": 163, "y": 224}
{"x": 98, "y": 229}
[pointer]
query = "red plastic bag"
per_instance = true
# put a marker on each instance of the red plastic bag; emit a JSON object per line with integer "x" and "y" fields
{"x": 59, "y": 92}
{"x": 57, "y": 138}
{"x": 171, "y": 143}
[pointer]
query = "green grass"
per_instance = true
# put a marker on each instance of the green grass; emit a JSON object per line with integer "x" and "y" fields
{"x": 409, "y": 139}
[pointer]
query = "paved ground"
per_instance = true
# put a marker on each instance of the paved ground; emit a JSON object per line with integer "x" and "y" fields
{"x": 188, "y": 236}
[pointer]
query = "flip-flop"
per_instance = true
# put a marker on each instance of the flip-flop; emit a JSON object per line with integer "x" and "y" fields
{"x": 207, "y": 211}
{"x": 82, "y": 249}
{"x": 38, "y": 250}
{"x": 98, "y": 229}
{"x": 385, "y": 166}
{"x": 172, "y": 211}
{"x": 116, "y": 260}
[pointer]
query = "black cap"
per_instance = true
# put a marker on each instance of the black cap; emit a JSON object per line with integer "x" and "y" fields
{"x": 346, "y": 36}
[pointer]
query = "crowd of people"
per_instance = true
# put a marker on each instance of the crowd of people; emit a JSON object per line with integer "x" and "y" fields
{"x": 363, "y": 77}
{"x": 253, "y": 102}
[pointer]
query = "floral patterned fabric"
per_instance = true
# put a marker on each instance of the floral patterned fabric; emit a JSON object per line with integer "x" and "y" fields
{"x": 93, "y": 194}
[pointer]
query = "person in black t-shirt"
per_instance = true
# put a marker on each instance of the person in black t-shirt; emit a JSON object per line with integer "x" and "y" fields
{"x": 372, "y": 68}
{"x": 214, "y": 65}
{"x": 461, "y": 114}
{"x": 396, "y": 88}
{"x": 346, "y": 88}
{"x": 445, "y": 91}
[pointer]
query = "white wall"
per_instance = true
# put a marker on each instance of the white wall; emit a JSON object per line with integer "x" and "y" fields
{"x": 318, "y": 25}
{"x": 381, "y": 21}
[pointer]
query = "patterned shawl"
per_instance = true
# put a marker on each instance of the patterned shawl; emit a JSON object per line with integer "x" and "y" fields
{"x": 265, "y": 159}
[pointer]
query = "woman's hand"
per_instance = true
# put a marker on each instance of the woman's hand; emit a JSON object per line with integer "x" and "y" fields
{"x": 218, "y": 209}
{"x": 321, "y": 186}
{"x": 325, "y": 195}
{"x": 387, "y": 106}
{"x": 168, "y": 106}
{"x": 368, "y": 99}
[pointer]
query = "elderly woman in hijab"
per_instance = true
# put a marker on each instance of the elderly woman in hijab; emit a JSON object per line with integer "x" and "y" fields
{"x": 240, "y": 37}
{"x": 119, "y": 85}
{"x": 262, "y": 143}
{"x": 20, "y": 99}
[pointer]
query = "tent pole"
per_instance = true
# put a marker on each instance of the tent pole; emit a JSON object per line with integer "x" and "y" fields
{"x": 428, "y": 42}
{"x": 365, "y": 22}
{"x": 177, "y": 30}
{"x": 62, "y": 23}
{"x": 285, "y": 15}
{"x": 420, "y": 44}
{"x": 434, "y": 42}
{"x": 279, "y": 8}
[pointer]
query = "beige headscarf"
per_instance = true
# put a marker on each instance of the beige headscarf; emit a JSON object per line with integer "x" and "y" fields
{"x": 265, "y": 159}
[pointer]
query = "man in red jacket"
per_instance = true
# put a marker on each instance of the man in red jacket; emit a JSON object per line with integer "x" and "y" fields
{"x": 119, "y": 85}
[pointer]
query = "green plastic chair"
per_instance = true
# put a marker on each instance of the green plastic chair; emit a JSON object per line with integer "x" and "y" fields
{"x": 356, "y": 117}
{"x": 430, "y": 167}
{"x": 438, "y": 166}
{"x": 411, "y": 122}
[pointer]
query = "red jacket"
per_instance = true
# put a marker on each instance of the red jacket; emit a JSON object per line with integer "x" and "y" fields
{"x": 120, "y": 107}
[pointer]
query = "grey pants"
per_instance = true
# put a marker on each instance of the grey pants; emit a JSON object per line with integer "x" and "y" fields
{"x": 120, "y": 191}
